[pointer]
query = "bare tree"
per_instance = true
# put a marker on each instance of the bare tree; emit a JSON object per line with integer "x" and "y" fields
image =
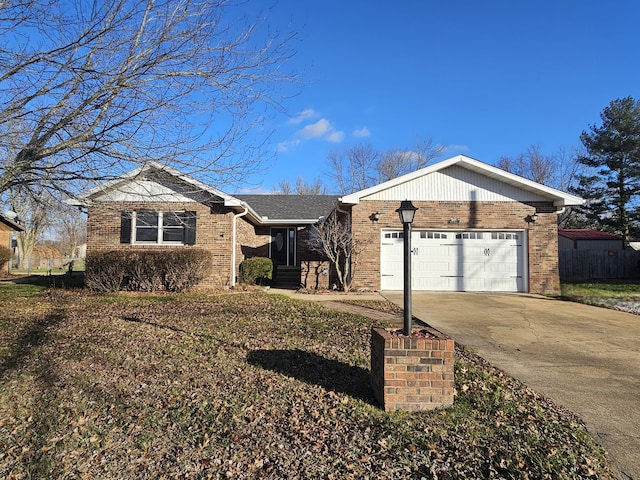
{"x": 353, "y": 169}
{"x": 33, "y": 207}
{"x": 91, "y": 89}
{"x": 532, "y": 164}
{"x": 70, "y": 228}
{"x": 333, "y": 239}
{"x": 395, "y": 163}
{"x": 302, "y": 187}
{"x": 362, "y": 166}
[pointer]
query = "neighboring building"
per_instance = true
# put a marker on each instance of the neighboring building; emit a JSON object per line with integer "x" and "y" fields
{"x": 477, "y": 228}
{"x": 7, "y": 227}
{"x": 587, "y": 239}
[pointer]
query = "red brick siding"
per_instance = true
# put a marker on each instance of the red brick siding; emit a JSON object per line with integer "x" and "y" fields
{"x": 251, "y": 241}
{"x": 412, "y": 373}
{"x": 542, "y": 236}
{"x": 213, "y": 232}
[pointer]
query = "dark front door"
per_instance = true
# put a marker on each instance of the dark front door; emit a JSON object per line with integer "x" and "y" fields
{"x": 283, "y": 246}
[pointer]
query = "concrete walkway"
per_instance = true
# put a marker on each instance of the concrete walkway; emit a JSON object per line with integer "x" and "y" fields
{"x": 336, "y": 302}
{"x": 584, "y": 358}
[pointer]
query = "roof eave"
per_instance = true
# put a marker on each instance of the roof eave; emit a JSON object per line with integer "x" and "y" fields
{"x": 11, "y": 224}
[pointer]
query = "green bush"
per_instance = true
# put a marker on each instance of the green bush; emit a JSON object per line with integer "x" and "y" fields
{"x": 5, "y": 256}
{"x": 147, "y": 270}
{"x": 258, "y": 271}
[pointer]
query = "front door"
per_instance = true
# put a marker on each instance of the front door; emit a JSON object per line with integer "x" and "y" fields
{"x": 283, "y": 246}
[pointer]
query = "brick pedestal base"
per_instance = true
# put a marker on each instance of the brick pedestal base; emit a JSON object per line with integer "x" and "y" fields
{"x": 412, "y": 373}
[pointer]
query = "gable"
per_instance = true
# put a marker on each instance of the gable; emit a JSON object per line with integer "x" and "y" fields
{"x": 462, "y": 178}
{"x": 154, "y": 183}
{"x": 456, "y": 183}
{"x": 142, "y": 191}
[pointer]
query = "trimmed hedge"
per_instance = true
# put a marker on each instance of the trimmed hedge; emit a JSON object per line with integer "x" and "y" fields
{"x": 5, "y": 256}
{"x": 258, "y": 271}
{"x": 147, "y": 270}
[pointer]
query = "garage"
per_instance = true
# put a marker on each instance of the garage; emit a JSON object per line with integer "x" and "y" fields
{"x": 490, "y": 261}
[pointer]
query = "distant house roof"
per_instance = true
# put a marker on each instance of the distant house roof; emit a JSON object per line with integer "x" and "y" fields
{"x": 11, "y": 224}
{"x": 587, "y": 234}
{"x": 307, "y": 208}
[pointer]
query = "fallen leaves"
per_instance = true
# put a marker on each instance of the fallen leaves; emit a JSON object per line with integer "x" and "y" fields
{"x": 248, "y": 386}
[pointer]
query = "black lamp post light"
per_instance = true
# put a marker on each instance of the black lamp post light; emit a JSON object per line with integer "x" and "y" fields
{"x": 407, "y": 212}
{"x": 399, "y": 364}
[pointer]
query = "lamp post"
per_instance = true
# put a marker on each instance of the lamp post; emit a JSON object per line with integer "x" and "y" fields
{"x": 407, "y": 212}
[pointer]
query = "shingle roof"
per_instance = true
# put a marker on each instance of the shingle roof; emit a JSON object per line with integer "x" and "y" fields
{"x": 291, "y": 207}
{"x": 587, "y": 234}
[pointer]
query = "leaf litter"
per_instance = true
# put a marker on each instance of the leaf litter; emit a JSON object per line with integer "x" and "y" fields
{"x": 249, "y": 386}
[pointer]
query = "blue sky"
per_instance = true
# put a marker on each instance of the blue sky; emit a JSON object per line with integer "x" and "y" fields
{"x": 485, "y": 79}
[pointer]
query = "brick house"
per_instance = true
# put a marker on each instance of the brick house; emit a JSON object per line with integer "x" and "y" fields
{"x": 7, "y": 227}
{"x": 477, "y": 228}
{"x": 157, "y": 207}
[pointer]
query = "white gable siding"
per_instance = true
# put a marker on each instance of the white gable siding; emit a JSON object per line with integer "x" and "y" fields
{"x": 455, "y": 184}
{"x": 142, "y": 191}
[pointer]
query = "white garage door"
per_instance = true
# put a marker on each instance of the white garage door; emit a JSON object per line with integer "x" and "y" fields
{"x": 455, "y": 261}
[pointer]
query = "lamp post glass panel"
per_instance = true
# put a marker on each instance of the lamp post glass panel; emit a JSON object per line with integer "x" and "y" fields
{"x": 407, "y": 212}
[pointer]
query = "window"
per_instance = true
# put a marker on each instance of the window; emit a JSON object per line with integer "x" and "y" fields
{"x": 470, "y": 235}
{"x": 145, "y": 226}
{"x": 504, "y": 236}
{"x": 432, "y": 235}
{"x": 394, "y": 235}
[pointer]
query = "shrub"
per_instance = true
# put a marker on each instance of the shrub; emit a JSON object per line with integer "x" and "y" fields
{"x": 105, "y": 271}
{"x": 147, "y": 270}
{"x": 187, "y": 269}
{"x": 258, "y": 271}
{"x": 5, "y": 256}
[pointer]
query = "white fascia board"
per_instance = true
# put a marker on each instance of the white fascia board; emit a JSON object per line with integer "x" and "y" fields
{"x": 291, "y": 221}
{"x": 559, "y": 198}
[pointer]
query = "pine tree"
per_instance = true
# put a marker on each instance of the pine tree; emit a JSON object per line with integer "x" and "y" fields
{"x": 612, "y": 186}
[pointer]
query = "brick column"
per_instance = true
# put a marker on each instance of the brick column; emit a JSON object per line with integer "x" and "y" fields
{"x": 412, "y": 373}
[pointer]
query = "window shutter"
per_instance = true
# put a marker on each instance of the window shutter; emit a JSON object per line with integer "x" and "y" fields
{"x": 125, "y": 227}
{"x": 189, "y": 219}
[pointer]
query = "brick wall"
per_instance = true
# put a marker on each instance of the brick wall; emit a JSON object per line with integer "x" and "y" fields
{"x": 542, "y": 258}
{"x": 213, "y": 232}
{"x": 412, "y": 373}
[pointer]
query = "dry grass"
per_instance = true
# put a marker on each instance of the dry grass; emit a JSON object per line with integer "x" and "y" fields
{"x": 246, "y": 386}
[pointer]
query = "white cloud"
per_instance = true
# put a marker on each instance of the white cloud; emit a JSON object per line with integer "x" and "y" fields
{"x": 316, "y": 130}
{"x": 255, "y": 191}
{"x": 335, "y": 137}
{"x": 306, "y": 114}
{"x": 362, "y": 132}
{"x": 456, "y": 148}
{"x": 286, "y": 146}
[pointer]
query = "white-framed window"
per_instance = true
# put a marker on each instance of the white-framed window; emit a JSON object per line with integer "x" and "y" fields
{"x": 469, "y": 235}
{"x": 504, "y": 236}
{"x": 433, "y": 235}
{"x": 158, "y": 227}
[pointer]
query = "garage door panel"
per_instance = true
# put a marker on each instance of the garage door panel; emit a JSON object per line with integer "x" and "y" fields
{"x": 456, "y": 261}
{"x": 472, "y": 284}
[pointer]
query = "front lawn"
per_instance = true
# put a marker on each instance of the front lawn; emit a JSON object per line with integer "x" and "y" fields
{"x": 624, "y": 296}
{"x": 247, "y": 385}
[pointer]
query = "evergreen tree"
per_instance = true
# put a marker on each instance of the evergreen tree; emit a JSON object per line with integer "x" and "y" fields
{"x": 612, "y": 185}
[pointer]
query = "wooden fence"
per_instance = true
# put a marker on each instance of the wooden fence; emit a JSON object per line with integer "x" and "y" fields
{"x": 580, "y": 265}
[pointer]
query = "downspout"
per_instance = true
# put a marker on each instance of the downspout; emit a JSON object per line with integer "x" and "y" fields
{"x": 232, "y": 279}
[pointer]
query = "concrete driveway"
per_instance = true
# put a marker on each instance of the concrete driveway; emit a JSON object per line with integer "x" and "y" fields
{"x": 584, "y": 358}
